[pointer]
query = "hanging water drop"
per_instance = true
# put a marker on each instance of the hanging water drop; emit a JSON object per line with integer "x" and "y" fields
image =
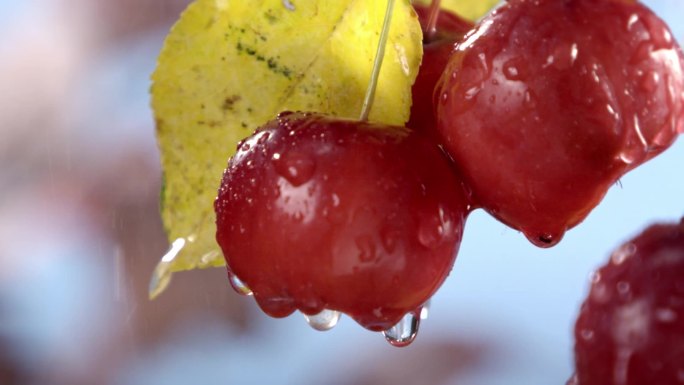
{"x": 237, "y": 285}
{"x": 323, "y": 321}
{"x": 543, "y": 240}
{"x": 404, "y": 332}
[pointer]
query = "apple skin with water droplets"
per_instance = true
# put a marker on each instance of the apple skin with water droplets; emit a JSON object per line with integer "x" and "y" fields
{"x": 547, "y": 103}
{"x": 630, "y": 330}
{"x": 320, "y": 213}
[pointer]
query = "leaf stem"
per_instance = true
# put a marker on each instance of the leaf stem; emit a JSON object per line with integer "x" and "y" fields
{"x": 377, "y": 64}
{"x": 431, "y": 27}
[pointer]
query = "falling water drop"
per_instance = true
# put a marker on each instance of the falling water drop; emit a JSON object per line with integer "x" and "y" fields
{"x": 323, "y": 321}
{"x": 404, "y": 332}
{"x": 161, "y": 277}
{"x": 238, "y": 285}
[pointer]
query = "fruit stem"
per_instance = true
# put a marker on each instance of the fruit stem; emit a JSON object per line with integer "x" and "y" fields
{"x": 377, "y": 64}
{"x": 431, "y": 27}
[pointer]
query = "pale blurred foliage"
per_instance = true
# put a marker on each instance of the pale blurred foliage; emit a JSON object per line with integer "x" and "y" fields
{"x": 79, "y": 181}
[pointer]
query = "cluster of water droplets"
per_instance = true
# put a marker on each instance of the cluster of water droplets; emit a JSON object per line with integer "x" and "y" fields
{"x": 399, "y": 335}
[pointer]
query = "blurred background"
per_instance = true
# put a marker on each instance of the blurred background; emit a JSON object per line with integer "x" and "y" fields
{"x": 80, "y": 234}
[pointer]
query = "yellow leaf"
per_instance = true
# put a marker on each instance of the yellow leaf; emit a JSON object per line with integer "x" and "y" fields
{"x": 469, "y": 9}
{"x": 228, "y": 67}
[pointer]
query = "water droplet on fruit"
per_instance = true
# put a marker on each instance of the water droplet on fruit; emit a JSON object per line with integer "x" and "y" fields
{"x": 564, "y": 55}
{"x": 642, "y": 52}
{"x": 625, "y": 251}
{"x": 666, "y": 315}
{"x": 511, "y": 72}
{"x": 296, "y": 167}
{"x": 404, "y": 332}
{"x": 600, "y": 293}
{"x": 624, "y": 289}
{"x": 263, "y": 137}
{"x": 430, "y": 231}
{"x": 389, "y": 238}
{"x": 323, "y": 321}
{"x": 238, "y": 285}
{"x": 515, "y": 68}
{"x": 632, "y": 20}
{"x": 649, "y": 82}
{"x": 543, "y": 240}
{"x": 472, "y": 92}
{"x": 626, "y": 157}
{"x": 587, "y": 334}
{"x": 365, "y": 244}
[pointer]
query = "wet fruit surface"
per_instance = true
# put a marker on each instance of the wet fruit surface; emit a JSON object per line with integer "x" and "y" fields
{"x": 447, "y": 26}
{"x": 315, "y": 213}
{"x": 547, "y": 103}
{"x": 437, "y": 48}
{"x": 631, "y": 327}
